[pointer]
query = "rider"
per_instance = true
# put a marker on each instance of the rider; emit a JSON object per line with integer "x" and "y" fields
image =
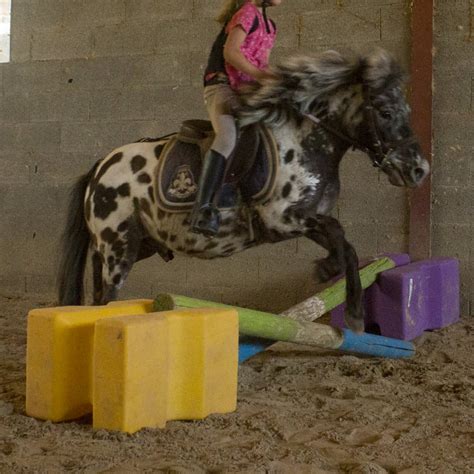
{"x": 239, "y": 55}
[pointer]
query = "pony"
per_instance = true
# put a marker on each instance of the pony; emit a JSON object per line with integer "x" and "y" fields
{"x": 315, "y": 108}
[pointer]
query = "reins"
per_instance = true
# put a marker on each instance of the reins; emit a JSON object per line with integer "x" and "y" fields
{"x": 380, "y": 150}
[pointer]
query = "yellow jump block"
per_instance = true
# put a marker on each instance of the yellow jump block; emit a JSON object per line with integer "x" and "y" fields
{"x": 59, "y": 357}
{"x": 163, "y": 366}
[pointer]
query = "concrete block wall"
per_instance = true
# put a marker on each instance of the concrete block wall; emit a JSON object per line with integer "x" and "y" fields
{"x": 453, "y": 171}
{"x": 87, "y": 76}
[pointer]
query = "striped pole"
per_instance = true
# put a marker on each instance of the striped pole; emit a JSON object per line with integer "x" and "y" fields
{"x": 295, "y": 325}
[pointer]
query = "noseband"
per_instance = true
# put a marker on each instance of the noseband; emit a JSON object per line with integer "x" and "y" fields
{"x": 380, "y": 150}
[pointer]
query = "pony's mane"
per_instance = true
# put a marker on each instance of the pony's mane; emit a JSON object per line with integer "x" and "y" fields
{"x": 302, "y": 81}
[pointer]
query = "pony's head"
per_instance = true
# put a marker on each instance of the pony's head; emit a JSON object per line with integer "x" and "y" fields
{"x": 385, "y": 132}
{"x": 358, "y": 100}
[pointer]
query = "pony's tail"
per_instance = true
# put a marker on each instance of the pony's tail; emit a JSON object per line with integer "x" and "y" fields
{"x": 75, "y": 245}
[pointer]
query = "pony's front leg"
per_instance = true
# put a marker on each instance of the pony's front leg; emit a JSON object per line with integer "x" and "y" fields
{"x": 328, "y": 232}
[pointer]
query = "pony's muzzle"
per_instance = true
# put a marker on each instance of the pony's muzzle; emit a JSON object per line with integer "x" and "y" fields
{"x": 419, "y": 172}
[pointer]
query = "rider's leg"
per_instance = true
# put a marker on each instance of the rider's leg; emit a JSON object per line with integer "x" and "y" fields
{"x": 220, "y": 101}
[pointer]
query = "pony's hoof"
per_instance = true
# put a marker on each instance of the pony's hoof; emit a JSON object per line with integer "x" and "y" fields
{"x": 354, "y": 324}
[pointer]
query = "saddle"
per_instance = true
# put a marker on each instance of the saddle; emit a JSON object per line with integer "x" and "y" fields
{"x": 250, "y": 174}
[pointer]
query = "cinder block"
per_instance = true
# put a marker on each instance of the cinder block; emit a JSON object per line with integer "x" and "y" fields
{"x": 9, "y": 134}
{"x": 61, "y": 43}
{"x": 20, "y": 33}
{"x": 444, "y": 242}
{"x": 42, "y": 285}
{"x": 179, "y": 103}
{"x": 64, "y": 106}
{"x": 124, "y": 39}
{"x": 159, "y": 9}
{"x": 392, "y": 238}
{"x": 44, "y": 14}
{"x": 159, "y": 70}
{"x": 342, "y": 27}
{"x": 32, "y": 77}
{"x": 85, "y": 13}
{"x": 59, "y": 357}
{"x": 288, "y": 25}
{"x": 452, "y": 168}
{"x": 97, "y": 74}
{"x": 452, "y": 53}
{"x": 452, "y": 90}
{"x": 134, "y": 130}
{"x": 239, "y": 268}
{"x": 395, "y": 21}
{"x": 390, "y": 203}
{"x": 173, "y": 37}
{"x": 16, "y": 169}
{"x": 363, "y": 236}
{"x": 202, "y": 31}
{"x": 450, "y": 205}
{"x": 129, "y": 104}
{"x": 277, "y": 272}
{"x": 97, "y": 139}
{"x": 38, "y": 137}
{"x": 206, "y": 8}
{"x": 410, "y": 299}
{"x": 452, "y": 17}
{"x": 12, "y": 246}
{"x": 60, "y": 169}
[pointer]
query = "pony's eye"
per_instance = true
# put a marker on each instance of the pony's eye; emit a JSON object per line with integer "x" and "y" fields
{"x": 386, "y": 114}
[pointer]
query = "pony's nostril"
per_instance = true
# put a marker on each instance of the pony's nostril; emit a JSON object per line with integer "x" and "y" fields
{"x": 418, "y": 174}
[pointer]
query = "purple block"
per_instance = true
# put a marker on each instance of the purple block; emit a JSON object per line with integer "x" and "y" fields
{"x": 410, "y": 299}
{"x": 337, "y": 314}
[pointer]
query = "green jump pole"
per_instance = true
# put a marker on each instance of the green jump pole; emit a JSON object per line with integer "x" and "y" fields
{"x": 260, "y": 324}
{"x": 328, "y": 299}
{"x": 308, "y": 310}
{"x": 296, "y": 324}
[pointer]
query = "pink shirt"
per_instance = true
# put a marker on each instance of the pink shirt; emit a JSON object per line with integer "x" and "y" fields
{"x": 256, "y": 46}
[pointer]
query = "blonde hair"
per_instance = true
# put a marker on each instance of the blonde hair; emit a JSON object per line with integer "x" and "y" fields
{"x": 229, "y": 9}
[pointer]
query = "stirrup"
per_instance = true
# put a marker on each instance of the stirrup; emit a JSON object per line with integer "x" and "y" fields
{"x": 206, "y": 221}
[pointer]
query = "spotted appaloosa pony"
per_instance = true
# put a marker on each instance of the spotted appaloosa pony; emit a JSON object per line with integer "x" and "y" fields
{"x": 316, "y": 108}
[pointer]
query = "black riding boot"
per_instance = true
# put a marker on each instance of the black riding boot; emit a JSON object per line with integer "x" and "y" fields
{"x": 205, "y": 218}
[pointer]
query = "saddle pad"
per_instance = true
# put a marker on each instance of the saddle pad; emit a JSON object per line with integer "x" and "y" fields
{"x": 179, "y": 170}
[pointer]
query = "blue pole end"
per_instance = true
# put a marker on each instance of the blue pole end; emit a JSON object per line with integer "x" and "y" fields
{"x": 250, "y": 346}
{"x": 378, "y": 346}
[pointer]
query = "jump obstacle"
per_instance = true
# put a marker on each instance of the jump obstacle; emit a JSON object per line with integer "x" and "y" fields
{"x": 418, "y": 297}
{"x": 295, "y": 324}
{"x": 129, "y": 367}
{"x": 136, "y": 364}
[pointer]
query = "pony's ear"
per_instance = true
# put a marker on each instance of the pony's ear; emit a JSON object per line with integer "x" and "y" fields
{"x": 382, "y": 71}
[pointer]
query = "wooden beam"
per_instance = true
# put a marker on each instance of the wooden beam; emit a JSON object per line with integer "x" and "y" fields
{"x": 422, "y": 122}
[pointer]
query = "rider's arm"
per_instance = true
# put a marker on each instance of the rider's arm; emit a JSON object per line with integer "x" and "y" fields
{"x": 234, "y": 56}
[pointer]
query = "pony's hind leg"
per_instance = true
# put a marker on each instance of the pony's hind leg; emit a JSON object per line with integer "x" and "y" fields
{"x": 328, "y": 232}
{"x": 118, "y": 251}
{"x": 98, "y": 288}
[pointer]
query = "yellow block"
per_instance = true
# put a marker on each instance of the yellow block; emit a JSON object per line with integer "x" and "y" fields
{"x": 59, "y": 357}
{"x": 170, "y": 365}
{"x": 130, "y": 373}
{"x": 203, "y": 367}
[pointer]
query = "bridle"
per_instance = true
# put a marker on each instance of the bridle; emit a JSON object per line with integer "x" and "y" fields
{"x": 380, "y": 150}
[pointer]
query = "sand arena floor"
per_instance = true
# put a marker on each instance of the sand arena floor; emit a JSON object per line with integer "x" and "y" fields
{"x": 299, "y": 411}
